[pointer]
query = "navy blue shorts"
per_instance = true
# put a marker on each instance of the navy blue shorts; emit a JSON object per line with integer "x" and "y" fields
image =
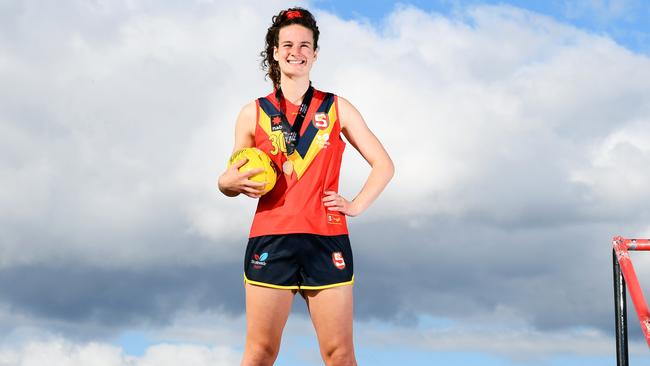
{"x": 299, "y": 261}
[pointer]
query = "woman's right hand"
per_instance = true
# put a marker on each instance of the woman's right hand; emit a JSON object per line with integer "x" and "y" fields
{"x": 233, "y": 182}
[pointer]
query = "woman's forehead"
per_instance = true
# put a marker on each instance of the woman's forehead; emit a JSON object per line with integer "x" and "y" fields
{"x": 295, "y": 33}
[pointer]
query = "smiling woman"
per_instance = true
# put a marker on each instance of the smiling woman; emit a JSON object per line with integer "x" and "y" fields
{"x": 299, "y": 237}
{"x": 297, "y": 25}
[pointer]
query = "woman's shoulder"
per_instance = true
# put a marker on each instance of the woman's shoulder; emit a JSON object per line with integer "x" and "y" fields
{"x": 348, "y": 113}
{"x": 249, "y": 108}
{"x": 247, "y": 117}
{"x": 344, "y": 103}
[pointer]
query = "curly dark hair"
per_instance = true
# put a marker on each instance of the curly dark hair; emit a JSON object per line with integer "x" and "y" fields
{"x": 287, "y": 17}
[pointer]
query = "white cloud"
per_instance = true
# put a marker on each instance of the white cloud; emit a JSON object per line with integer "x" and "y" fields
{"x": 617, "y": 173}
{"x": 492, "y": 112}
{"x": 163, "y": 355}
{"x": 527, "y": 346}
{"x": 60, "y": 352}
{"x": 195, "y": 335}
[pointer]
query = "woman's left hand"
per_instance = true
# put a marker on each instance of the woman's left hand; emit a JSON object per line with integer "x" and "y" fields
{"x": 335, "y": 202}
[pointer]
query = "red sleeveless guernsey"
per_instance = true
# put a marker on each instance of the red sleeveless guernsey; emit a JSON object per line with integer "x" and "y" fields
{"x": 295, "y": 204}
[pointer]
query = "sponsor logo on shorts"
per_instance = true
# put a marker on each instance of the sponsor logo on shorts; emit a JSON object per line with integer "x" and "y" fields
{"x": 337, "y": 258}
{"x": 334, "y": 219}
{"x": 259, "y": 260}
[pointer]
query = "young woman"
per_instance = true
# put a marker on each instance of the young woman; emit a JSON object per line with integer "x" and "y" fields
{"x": 299, "y": 238}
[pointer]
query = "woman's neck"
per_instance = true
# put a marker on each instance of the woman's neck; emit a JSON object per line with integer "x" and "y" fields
{"x": 294, "y": 89}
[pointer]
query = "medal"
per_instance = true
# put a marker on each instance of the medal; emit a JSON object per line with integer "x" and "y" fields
{"x": 287, "y": 167}
{"x": 292, "y": 132}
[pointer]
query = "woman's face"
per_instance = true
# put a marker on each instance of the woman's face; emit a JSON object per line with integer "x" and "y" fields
{"x": 295, "y": 51}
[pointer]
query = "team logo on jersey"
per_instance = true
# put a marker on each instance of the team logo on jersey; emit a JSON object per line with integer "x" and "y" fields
{"x": 276, "y": 122}
{"x": 321, "y": 120}
{"x": 258, "y": 261}
{"x": 335, "y": 219}
{"x": 337, "y": 259}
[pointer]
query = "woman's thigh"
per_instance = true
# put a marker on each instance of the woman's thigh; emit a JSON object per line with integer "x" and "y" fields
{"x": 267, "y": 310}
{"x": 331, "y": 311}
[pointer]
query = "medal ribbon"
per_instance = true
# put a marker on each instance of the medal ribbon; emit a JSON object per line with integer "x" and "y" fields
{"x": 292, "y": 132}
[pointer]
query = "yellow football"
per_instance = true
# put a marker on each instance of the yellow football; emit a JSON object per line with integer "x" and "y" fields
{"x": 256, "y": 159}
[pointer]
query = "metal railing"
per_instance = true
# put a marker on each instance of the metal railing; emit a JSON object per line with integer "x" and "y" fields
{"x": 625, "y": 276}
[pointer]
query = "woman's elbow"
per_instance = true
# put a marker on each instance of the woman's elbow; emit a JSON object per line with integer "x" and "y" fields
{"x": 391, "y": 169}
{"x": 388, "y": 168}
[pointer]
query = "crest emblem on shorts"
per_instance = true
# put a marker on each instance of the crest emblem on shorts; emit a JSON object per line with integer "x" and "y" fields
{"x": 337, "y": 259}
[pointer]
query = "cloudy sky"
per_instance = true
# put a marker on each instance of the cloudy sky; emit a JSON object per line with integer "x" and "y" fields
{"x": 520, "y": 134}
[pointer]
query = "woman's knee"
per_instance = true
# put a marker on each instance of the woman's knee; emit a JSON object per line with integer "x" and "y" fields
{"x": 339, "y": 355}
{"x": 260, "y": 353}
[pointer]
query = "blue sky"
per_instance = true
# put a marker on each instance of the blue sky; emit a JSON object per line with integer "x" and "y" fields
{"x": 624, "y": 21}
{"x": 491, "y": 246}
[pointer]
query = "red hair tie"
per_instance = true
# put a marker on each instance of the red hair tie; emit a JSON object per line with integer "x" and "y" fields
{"x": 293, "y": 14}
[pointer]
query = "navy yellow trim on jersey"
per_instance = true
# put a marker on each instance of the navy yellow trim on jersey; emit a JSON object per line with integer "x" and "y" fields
{"x": 306, "y": 149}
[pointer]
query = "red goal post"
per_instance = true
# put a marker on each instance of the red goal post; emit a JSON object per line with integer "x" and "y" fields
{"x": 624, "y": 275}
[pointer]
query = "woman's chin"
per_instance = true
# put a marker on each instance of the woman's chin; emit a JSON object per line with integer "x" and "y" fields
{"x": 295, "y": 74}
